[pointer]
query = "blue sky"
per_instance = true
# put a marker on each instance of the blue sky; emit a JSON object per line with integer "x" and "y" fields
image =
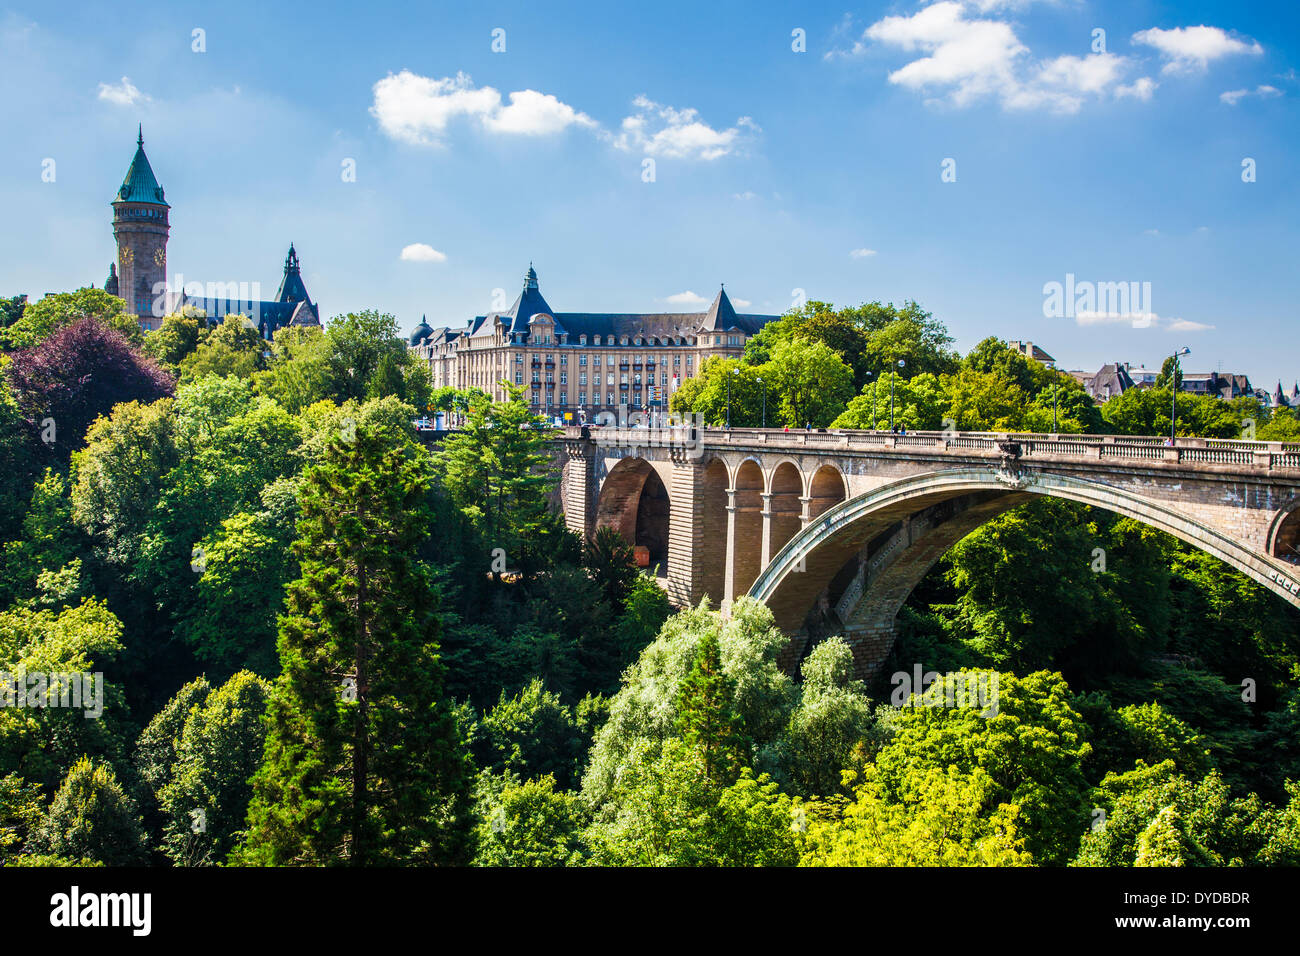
{"x": 774, "y": 170}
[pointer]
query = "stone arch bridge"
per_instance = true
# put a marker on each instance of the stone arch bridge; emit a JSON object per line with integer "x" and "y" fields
{"x": 832, "y": 530}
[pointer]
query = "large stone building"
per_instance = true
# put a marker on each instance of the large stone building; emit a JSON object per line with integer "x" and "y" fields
{"x": 577, "y": 365}
{"x": 141, "y": 226}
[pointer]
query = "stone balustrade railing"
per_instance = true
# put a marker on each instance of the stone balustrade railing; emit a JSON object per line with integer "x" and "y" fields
{"x": 1119, "y": 448}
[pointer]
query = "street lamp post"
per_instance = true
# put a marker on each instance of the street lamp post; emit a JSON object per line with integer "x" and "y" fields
{"x": 1173, "y": 391}
{"x": 901, "y": 364}
{"x": 873, "y": 404}
{"x": 764, "y": 391}
{"x": 734, "y": 371}
{"x": 1055, "y": 427}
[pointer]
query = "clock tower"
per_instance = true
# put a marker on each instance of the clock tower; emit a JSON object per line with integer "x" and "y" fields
{"x": 140, "y": 227}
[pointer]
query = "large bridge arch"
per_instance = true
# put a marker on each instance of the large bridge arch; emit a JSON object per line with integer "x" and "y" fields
{"x": 898, "y": 530}
{"x": 634, "y": 501}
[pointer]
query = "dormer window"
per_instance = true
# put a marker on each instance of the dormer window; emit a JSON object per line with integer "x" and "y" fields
{"x": 582, "y": 340}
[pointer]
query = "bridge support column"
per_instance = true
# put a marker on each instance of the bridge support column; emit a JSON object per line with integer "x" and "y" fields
{"x": 580, "y": 490}
{"x": 696, "y": 534}
{"x": 805, "y": 510}
{"x": 871, "y": 645}
{"x": 729, "y": 585}
{"x": 767, "y": 530}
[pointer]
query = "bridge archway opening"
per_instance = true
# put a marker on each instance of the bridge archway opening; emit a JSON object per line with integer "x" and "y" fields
{"x": 713, "y": 524}
{"x": 860, "y": 565}
{"x": 825, "y": 491}
{"x": 635, "y": 503}
{"x": 1286, "y": 541}
{"x": 784, "y": 505}
{"x": 748, "y": 516}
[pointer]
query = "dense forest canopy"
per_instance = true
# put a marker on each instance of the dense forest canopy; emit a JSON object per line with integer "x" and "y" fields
{"x": 315, "y": 641}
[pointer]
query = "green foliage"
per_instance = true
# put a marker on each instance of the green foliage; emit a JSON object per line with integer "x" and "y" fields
{"x": 668, "y": 811}
{"x": 943, "y": 817}
{"x": 38, "y": 743}
{"x": 233, "y": 348}
{"x": 1155, "y": 816}
{"x": 532, "y": 734}
{"x": 205, "y": 799}
{"x": 56, "y": 310}
{"x": 364, "y": 762}
{"x": 498, "y": 473}
{"x": 528, "y": 824}
{"x": 92, "y": 817}
{"x": 22, "y": 810}
{"x": 1033, "y": 749}
{"x": 175, "y": 339}
{"x": 831, "y": 722}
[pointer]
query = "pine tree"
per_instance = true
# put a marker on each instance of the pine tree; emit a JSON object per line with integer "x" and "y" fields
{"x": 706, "y": 719}
{"x": 499, "y": 473}
{"x": 364, "y": 762}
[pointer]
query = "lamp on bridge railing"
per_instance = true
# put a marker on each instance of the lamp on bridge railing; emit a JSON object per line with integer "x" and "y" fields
{"x": 1052, "y": 366}
{"x": 1173, "y": 390}
{"x": 901, "y": 364}
{"x": 873, "y": 403}
{"x": 734, "y": 371}
{"x": 764, "y": 391}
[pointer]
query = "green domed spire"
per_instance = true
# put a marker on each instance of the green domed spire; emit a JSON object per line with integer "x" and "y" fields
{"x": 140, "y": 185}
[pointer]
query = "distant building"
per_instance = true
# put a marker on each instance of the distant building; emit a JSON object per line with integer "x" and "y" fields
{"x": 141, "y": 226}
{"x": 1031, "y": 351}
{"x": 583, "y": 363}
{"x": 1110, "y": 380}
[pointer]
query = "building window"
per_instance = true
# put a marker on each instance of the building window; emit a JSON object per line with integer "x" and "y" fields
{"x": 564, "y": 398}
{"x": 564, "y": 378}
{"x": 582, "y": 340}
{"x": 609, "y": 400}
{"x": 519, "y": 378}
{"x": 582, "y": 398}
{"x": 582, "y": 378}
{"x": 582, "y": 360}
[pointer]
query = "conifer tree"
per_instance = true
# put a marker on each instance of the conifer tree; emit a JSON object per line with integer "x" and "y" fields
{"x": 364, "y": 762}
{"x": 705, "y": 720}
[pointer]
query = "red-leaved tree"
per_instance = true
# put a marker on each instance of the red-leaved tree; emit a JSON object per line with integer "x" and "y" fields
{"x": 78, "y": 373}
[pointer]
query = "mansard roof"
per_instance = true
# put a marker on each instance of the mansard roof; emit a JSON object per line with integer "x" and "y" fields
{"x": 720, "y": 317}
{"x": 140, "y": 185}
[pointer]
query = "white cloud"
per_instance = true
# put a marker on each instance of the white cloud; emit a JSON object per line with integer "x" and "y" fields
{"x": 422, "y": 252}
{"x": 1139, "y": 320}
{"x": 741, "y": 303}
{"x": 418, "y": 109}
{"x": 124, "y": 93}
{"x": 746, "y": 196}
{"x": 1139, "y": 89}
{"x": 1233, "y": 97}
{"x": 657, "y": 130}
{"x": 861, "y": 253}
{"x": 1190, "y": 49}
{"x": 968, "y": 60}
{"x": 535, "y": 114}
{"x": 687, "y": 298}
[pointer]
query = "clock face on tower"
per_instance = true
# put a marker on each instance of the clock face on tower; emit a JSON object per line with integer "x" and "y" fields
{"x": 126, "y": 255}
{"x": 159, "y": 258}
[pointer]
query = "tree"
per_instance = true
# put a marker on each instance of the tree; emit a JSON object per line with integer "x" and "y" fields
{"x": 78, "y": 373}
{"x": 666, "y": 810}
{"x": 643, "y": 713}
{"x": 532, "y": 734}
{"x": 705, "y": 721}
{"x": 944, "y": 818}
{"x": 1033, "y": 749}
{"x": 498, "y": 472}
{"x": 175, "y": 339}
{"x": 233, "y": 348}
{"x": 364, "y": 762}
{"x": 813, "y": 382}
{"x": 706, "y": 394}
{"x": 832, "y": 720}
{"x": 609, "y": 559}
{"x": 92, "y": 817}
{"x": 529, "y": 824}
{"x": 205, "y": 800}
{"x": 52, "y": 312}
{"x": 41, "y": 742}
{"x": 11, "y": 309}
{"x": 919, "y": 404}
{"x": 22, "y": 810}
